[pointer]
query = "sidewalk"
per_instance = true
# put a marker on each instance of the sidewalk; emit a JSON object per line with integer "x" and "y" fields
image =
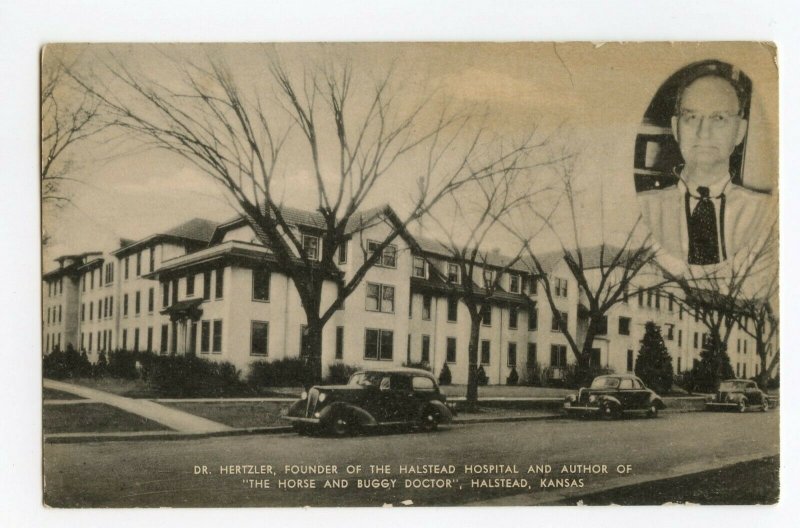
{"x": 179, "y": 421}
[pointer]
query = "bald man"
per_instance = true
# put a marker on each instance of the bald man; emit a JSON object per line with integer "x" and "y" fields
{"x": 706, "y": 219}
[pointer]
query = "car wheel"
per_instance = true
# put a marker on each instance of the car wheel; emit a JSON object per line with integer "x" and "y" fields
{"x": 742, "y": 407}
{"x": 340, "y": 425}
{"x": 611, "y": 411}
{"x": 652, "y": 411}
{"x": 765, "y": 405}
{"x": 429, "y": 421}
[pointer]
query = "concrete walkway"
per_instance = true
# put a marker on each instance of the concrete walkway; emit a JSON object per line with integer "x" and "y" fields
{"x": 173, "y": 418}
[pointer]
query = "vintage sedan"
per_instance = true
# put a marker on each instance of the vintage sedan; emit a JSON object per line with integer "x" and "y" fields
{"x": 738, "y": 395}
{"x": 612, "y": 396}
{"x": 400, "y": 396}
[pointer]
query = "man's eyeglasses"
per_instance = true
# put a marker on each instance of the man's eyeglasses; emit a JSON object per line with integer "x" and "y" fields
{"x": 716, "y": 120}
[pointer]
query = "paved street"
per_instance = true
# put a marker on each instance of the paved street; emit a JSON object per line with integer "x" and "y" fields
{"x": 160, "y": 473}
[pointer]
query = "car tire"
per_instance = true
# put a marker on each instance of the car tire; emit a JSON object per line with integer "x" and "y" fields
{"x": 765, "y": 405}
{"x": 340, "y": 425}
{"x": 612, "y": 411}
{"x": 652, "y": 411}
{"x": 741, "y": 405}
{"x": 429, "y": 421}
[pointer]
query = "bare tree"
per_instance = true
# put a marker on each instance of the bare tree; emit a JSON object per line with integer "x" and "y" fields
{"x": 68, "y": 116}
{"x": 604, "y": 272}
{"x": 236, "y": 135}
{"x": 476, "y": 212}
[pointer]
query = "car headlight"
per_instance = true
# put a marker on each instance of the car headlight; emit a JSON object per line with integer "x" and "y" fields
{"x": 592, "y": 398}
{"x": 303, "y": 395}
{"x": 322, "y": 397}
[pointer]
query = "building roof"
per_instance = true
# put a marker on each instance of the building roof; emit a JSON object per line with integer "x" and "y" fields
{"x": 197, "y": 231}
{"x": 493, "y": 258}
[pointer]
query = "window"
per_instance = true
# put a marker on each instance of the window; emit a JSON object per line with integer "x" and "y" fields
{"x": 111, "y": 306}
{"x": 625, "y": 326}
{"x": 109, "y": 273}
{"x": 127, "y": 268}
{"x": 152, "y": 263}
{"x": 640, "y": 297}
{"x": 629, "y": 363}
{"x": 150, "y": 300}
{"x": 558, "y": 356}
{"x": 174, "y": 291}
{"x": 164, "y": 337}
{"x": 341, "y": 252}
{"x": 452, "y": 273}
{"x": 220, "y": 277}
{"x": 259, "y": 334}
{"x": 90, "y": 341}
{"x": 658, "y": 300}
{"x": 205, "y": 336}
{"x": 533, "y": 318}
{"x": 488, "y": 278}
{"x": 534, "y": 286}
{"x": 388, "y": 258}
{"x": 149, "y": 338}
{"x": 513, "y": 314}
{"x": 512, "y": 354}
{"x": 83, "y": 283}
{"x": 139, "y": 264}
{"x": 649, "y": 298}
{"x": 559, "y": 321}
{"x": 190, "y": 285}
{"x": 451, "y": 350}
{"x": 125, "y": 305}
{"x": 680, "y": 337}
{"x": 59, "y": 320}
{"x": 532, "y": 361}
{"x": 206, "y": 285}
{"x": 91, "y": 310}
{"x": 670, "y": 332}
{"x": 513, "y": 283}
{"x": 420, "y": 383}
{"x": 311, "y": 247}
{"x": 601, "y": 326}
{"x": 679, "y": 364}
{"x": 217, "y": 342}
{"x": 378, "y": 344}
{"x": 452, "y": 309}
{"x": 486, "y": 352}
{"x": 561, "y": 287}
{"x": 124, "y": 339}
{"x": 138, "y": 303}
{"x": 91, "y": 282}
{"x": 380, "y": 298}
{"x": 339, "y": 342}
{"x": 680, "y": 313}
{"x": 261, "y": 278}
{"x": 419, "y": 267}
{"x": 426, "y": 307}
{"x": 193, "y": 338}
{"x": 486, "y": 315}
{"x": 165, "y": 294}
{"x": 136, "y": 340}
{"x": 671, "y": 298}
{"x": 426, "y": 349}
{"x": 594, "y": 357}
{"x": 625, "y": 293}
{"x": 83, "y": 312}
{"x": 694, "y": 340}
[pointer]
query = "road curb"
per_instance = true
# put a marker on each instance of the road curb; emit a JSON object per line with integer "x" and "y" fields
{"x": 76, "y": 438}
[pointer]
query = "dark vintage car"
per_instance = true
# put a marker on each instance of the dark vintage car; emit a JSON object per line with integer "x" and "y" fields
{"x": 739, "y": 395}
{"x": 612, "y": 396}
{"x": 371, "y": 398}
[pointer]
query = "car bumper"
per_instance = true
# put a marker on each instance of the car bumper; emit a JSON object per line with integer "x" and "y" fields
{"x": 717, "y": 406}
{"x": 301, "y": 420}
{"x": 581, "y": 408}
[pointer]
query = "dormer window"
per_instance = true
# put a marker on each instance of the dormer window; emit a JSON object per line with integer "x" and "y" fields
{"x": 452, "y": 273}
{"x": 311, "y": 247}
{"x": 513, "y": 283}
{"x": 419, "y": 267}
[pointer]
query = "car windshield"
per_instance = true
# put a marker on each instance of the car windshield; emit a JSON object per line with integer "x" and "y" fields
{"x": 605, "y": 383}
{"x": 366, "y": 379}
{"x": 732, "y": 385}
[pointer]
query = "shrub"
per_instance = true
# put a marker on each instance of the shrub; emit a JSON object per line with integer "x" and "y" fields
{"x": 101, "y": 367}
{"x": 774, "y": 383}
{"x": 339, "y": 373}
{"x": 287, "y": 372}
{"x": 513, "y": 377}
{"x": 714, "y": 366}
{"x": 67, "y": 364}
{"x": 483, "y": 379}
{"x": 654, "y": 364}
{"x": 535, "y": 375}
{"x": 445, "y": 376}
{"x": 190, "y": 376}
{"x": 422, "y": 365}
{"x": 575, "y": 377}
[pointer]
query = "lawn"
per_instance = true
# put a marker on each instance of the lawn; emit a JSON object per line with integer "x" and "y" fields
{"x": 235, "y": 414}
{"x": 140, "y": 389}
{"x": 52, "y": 394}
{"x": 93, "y": 418}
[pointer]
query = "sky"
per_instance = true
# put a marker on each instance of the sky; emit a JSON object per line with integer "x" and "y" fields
{"x": 594, "y": 95}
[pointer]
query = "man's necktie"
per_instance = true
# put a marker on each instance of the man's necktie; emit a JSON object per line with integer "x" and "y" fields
{"x": 703, "y": 244}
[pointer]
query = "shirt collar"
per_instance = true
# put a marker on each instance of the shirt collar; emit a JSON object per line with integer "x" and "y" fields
{"x": 714, "y": 190}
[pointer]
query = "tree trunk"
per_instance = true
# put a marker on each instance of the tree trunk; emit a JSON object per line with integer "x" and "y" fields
{"x": 312, "y": 354}
{"x": 763, "y": 373}
{"x": 472, "y": 373}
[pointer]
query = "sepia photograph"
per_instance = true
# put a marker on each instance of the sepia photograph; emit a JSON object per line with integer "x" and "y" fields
{"x": 409, "y": 274}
